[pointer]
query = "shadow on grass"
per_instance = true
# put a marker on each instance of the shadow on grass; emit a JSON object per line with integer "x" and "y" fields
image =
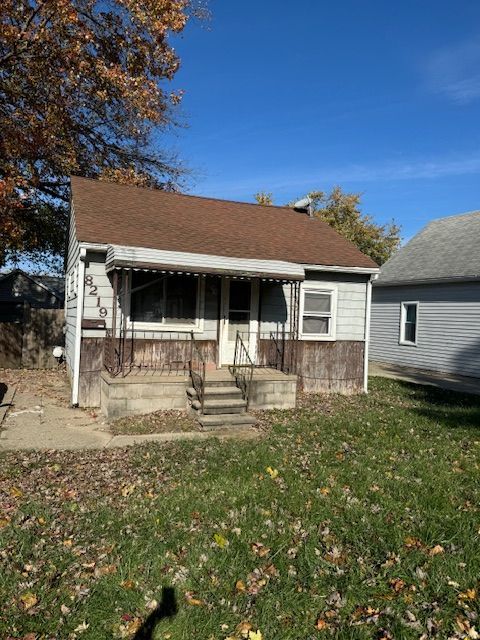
{"x": 166, "y": 609}
{"x": 451, "y": 408}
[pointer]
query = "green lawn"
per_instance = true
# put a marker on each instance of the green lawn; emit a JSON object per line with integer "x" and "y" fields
{"x": 351, "y": 518}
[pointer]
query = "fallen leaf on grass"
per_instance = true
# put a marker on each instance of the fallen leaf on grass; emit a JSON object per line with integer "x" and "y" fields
{"x": 127, "y": 490}
{"x": 469, "y": 594}
{"x": 259, "y": 549}
{"x": 28, "y": 600}
{"x": 130, "y": 627}
{"x": 127, "y": 584}
{"x": 397, "y": 584}
{"x": 413, "y": 543}
{"x": 106, "y": 570}
{"x": 240, "y": 586}
{"x": 273, "y": 473}
{"x": 321, "y": 624}
{"x": 436, "y": 550}
{"x": 191, "y": 600}
{"x": 220, "y": 540}
{"x": 243, "y": 629}
{"x": 81, "y": 628}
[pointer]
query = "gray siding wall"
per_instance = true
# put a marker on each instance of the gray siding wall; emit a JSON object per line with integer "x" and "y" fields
{"x": 351, "y": 303}
{"x": 448, "y": 327}
{"x": 71, "y": 293}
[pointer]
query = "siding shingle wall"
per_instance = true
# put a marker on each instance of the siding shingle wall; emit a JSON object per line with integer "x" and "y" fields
{"x": 448, "y": 329}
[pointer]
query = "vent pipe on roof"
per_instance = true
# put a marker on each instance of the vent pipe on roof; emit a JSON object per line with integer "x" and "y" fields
{"x": 305, "y": 206}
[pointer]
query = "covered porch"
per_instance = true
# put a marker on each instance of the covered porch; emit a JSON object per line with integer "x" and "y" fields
{"x": 199, "y": 321}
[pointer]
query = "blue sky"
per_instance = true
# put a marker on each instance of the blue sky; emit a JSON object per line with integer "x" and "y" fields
{"x": 381, "y": 98}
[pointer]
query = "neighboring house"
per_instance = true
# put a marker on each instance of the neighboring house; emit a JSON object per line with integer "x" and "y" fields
{"x": 426, "y": 301}
{"x": 173, "y": 286}
{"x": 31, "y": 319}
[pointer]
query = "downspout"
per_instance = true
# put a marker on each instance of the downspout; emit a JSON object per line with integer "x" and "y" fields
{"x": 78, "y": 328}
{"x": 368, "y": 308}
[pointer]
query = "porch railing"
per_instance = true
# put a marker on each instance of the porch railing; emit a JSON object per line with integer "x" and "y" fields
{"x": 135, "y": 351}
{"x": 242, "y": 368}
{"x": 197, "y": 368}
{"x": 278, "y": 350}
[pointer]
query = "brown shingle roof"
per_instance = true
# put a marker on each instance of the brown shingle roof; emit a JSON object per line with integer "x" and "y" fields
{"x": 109, "y": 213}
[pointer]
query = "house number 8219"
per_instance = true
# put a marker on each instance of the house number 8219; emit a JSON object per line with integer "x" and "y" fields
{"x": 93, "y": 290}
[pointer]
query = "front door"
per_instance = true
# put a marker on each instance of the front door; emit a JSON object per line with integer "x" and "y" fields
{"x": 240, "y": 309}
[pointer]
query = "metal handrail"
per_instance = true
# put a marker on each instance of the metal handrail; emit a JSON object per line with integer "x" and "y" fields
{"x": 110, "y": 354}
{"x": 279, "y": 352}
{"x": 242, "y": 368}
{"x": 197, "y": 371}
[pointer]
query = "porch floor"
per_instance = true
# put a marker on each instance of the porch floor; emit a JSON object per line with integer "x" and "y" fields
{"x": 153, "y": 375}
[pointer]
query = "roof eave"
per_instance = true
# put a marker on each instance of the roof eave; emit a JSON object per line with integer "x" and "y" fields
{"x": 341, "y": 269}
{"x": 419, "y": 281}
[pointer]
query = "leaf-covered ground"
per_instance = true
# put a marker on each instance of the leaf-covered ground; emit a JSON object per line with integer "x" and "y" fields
{"x": 350, "y": 518}
{"x": 157, "y": 422}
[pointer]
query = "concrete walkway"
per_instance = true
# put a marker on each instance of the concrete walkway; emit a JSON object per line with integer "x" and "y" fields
{"x": 31, "y": 419}
{"x": 447, "y": 381}
{"x": 34, "y": 422}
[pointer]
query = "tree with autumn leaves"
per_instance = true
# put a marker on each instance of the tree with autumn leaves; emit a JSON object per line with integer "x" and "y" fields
{"x": 84, "y": 89}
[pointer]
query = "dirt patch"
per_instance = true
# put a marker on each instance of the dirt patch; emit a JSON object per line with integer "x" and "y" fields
{"x": 51, "y": 384}
{"x": 158, "y": 422}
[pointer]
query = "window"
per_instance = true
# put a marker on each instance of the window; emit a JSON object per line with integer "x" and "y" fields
{"x": 318, "y": 313}
{"x": 164, "y": 299}
{"x": 408, "y": 323}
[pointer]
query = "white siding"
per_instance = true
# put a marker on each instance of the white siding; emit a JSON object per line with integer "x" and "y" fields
{"x": 448, "y": 327}
{"x": 73, "y": 257}
{"x": 351, "y": 303}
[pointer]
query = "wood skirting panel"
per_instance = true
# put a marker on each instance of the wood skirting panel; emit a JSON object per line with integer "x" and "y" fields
{"x": 166, "y": 354}
{"x": 323, "y": 367}
{"x": 91, "y": 366}
{"x": 29, "y": 343}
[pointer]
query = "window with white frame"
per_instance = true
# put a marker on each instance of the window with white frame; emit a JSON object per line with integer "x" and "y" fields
{"x": 408, "y": 322}
{"x": 165, "y": 299}
{"x": 318, "y": 310}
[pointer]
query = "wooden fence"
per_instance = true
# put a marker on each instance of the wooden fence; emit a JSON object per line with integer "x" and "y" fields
{"x": 29, "y": 343}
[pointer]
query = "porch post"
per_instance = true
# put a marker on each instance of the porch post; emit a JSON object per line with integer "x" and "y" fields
{"x": 115, "y": 303}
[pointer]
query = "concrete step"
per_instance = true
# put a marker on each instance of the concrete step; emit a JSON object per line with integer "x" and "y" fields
{"x": 225, "y": 393}
{"x": 220, "y": 382}
{"x": 217, "y": 393}
{"x": 221, "y": 406}
{"x": 227, "y": 421}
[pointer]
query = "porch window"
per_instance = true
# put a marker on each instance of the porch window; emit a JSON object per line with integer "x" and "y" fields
{"x": 163, "y": 299}
{"x": 408, "y": 323}
{"x": 318, "y": 313}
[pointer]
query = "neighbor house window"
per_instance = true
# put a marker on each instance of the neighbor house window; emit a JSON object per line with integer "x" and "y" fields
{"x": 408, "y": 322}
{"x": 318, "y": 313}
{"x": 164, "y": 299}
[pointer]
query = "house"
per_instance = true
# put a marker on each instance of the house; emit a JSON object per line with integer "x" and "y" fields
{"x": 164, "y": 290}
{"x": 31, "y": 319}
{"x": 426, "y": 300}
